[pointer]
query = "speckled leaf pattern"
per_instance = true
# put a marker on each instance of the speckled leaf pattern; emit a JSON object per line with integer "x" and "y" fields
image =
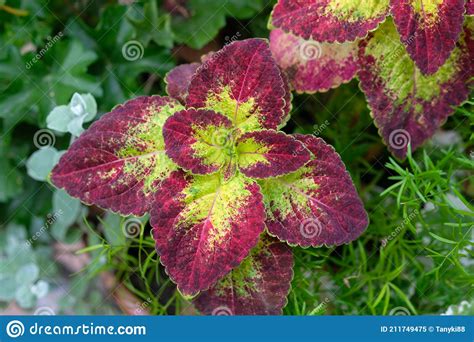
{"x": 204, "y": 227}
{"x": 242, "y": 82}
{"x": 429, "y": 29}
{"x": 312, "y": 66}
{"x": 267, "y": 153}
{"x": 329, "y": 20}
{"x": 408, "y": 106}
{"x": 470, "y": 7}
{"x": 259, "y": 286}
{"x": 198, "y": 140}
{"x": 317, "y": 204}
{"x": 178, "y": 80}
{"x": 119, "y": 162}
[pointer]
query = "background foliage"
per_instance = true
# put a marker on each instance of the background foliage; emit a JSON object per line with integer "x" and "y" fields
{"x": 415, "y": 257}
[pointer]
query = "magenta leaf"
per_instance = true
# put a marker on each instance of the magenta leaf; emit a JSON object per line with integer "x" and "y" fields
{"x": 470, "y": 7}
{"x": 119, "y": 162}
{"x": 312, "y": 66}
{"x": 204, "y": 227}
{"x": 178, "y": 80}
{"x": 429, "y": 29}
{"x": 259, "y": 286}
{"x": 267, "y": 153}
{"x": 407, "y": 106}
{"x": 329, "y": 20}
{"x": 198, "y": 140}
{"x": 316, "y": 205}
{"x": 242, "y": 82}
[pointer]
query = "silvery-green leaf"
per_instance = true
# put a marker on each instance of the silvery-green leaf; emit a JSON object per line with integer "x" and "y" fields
{"x": 8, "y": 288}
{"x": 68, "y": 210}
{"x": 27, "y": 274}
{"x": 59, "y": 118}
{"x": 77, "y": 105}
{"x": 113, "y": 229}
{"x": 40, "y": 289}
{"x": 24, "y": 297}
{"x": 91, "y": 107}
{"x": 75, "y": 126}
{"x": 41, "y": 162}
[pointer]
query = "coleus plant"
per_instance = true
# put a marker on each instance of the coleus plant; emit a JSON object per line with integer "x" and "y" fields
{"x": 226, "y": 191}
{"x": 413, "y": 57}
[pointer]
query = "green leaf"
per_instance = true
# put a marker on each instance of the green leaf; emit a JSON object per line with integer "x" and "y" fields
{"x": 41, "y": 162}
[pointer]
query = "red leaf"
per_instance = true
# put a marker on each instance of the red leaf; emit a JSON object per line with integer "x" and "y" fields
{"x": 429, "y": 30}
{"x": 312, "y": 66}
{"x": 204, "y": 227}
{"x": 407, "y": 106}
{"x": 198, "y": 140}
{"x": 242, "y": 82}
{"x": 269, "y": 153}
{"x": 259, "y": 286}
{"x": 329, "y": 20}
{"x": 120, "y": 160}
{"x": 317, "y": 204}
{"x": 179, "y": 79}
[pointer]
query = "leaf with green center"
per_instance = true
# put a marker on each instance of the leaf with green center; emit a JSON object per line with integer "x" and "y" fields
{"x": 312, "y": 66}
{"x": 199, "y": 140}
{"x": 259, "y": 286}
{"x": 263, "y": 154}
{"x": 204, "y": 227}
{"x": 329, "y": 20}
{"x": 429, "y": 29}
{"x": 120, "y": 160}
{"x": 178, "y": 80}
{"x": 242, "y": 82}
{"x": 316, "y": 205}
{"x": 407, "y": 106}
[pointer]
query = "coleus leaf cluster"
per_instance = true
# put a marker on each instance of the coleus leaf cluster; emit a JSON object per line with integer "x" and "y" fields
{"x": 226, "y": 191}
{"x": 413, "y": 57}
